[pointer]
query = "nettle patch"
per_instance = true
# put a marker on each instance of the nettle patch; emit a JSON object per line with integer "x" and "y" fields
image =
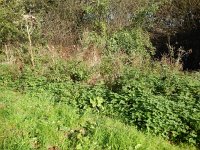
{"x": 164, "y": 104}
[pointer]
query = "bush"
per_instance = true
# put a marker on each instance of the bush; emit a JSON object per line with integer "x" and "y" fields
{"x": 131, "y": 41}
{"x": 9, "y": 23}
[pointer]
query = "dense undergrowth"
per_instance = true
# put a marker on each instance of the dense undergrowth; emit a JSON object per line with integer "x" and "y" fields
{"x": 38, "y": 122}
{"x": 159, "y": 101}
{"x": 83, "y": 75}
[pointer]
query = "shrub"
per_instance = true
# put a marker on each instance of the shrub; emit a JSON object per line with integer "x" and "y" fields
{"x": 9, "y": 23}
{"x": 131, "y": 41}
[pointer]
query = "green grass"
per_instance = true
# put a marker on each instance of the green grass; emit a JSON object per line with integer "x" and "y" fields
{"x": 31, "y": 121}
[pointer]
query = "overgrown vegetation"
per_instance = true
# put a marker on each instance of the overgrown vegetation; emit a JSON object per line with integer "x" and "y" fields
{"x": 82, "y": 75}
{"x": 37, "y": 122}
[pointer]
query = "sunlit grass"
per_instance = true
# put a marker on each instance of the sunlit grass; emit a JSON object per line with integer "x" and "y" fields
{"x": 37, "y": 122}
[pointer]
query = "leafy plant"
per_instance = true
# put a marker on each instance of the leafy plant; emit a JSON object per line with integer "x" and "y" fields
{"x": 130, "y": 41}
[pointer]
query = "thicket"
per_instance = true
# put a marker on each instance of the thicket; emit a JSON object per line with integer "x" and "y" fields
{"x": 65, "y": 21}
{"x": 125, "y": 83}
{"x": 122, "y": 26}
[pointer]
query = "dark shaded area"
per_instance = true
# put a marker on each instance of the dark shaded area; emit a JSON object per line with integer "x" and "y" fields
{"x": 190, "y": 41}
{"x": 159, "y": 41}
{"x": 187, "y": 40}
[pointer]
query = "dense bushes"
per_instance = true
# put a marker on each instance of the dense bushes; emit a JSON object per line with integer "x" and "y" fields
{"x": 63, "y": 22}
{"x": 13, "y": 23}
{"x": 119, "y": 26}
{"x": 130, "y": 41}
{"x": 9, "y": 23}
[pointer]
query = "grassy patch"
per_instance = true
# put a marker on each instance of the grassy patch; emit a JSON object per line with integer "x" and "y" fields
{"x": 37, "y": 122}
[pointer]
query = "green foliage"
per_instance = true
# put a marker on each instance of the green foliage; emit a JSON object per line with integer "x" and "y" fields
{"x": 77, "y": 71}
{"x": 92, "y": 38}
{"x": 130, "y": 41}
{"x": 163, "y": 103}
{"x": 36, "y": 122}
{"x": 9, "y": 23}
{"x": 144, "y": 17}
{"x": 14, "y": 26}
{"x": 58, "y": 21}
{"x": 8, "y": 74}
{"x": 96, "y": 13}
{"x": 134, "y": 41}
